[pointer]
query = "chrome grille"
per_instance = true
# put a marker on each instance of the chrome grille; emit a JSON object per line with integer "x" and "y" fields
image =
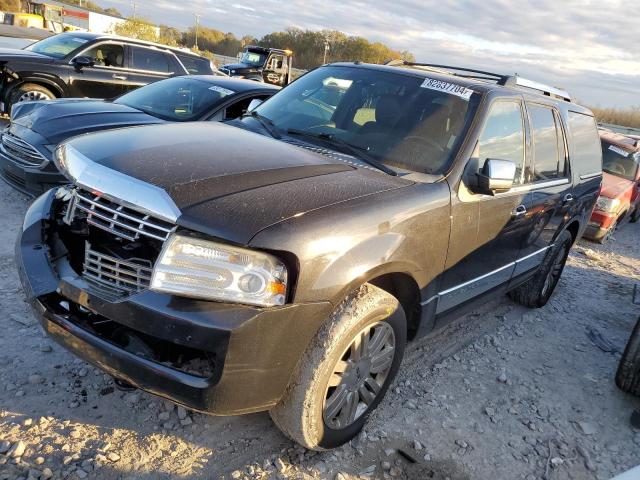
{"x": 125, "y": 222}
{"x": 21, "y": 151}
{"x": 118, "y": 276}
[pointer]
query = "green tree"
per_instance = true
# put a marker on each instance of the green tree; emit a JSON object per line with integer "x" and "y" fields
{"x": 10, "y": 5}
{"x": 88, "y": 4}
{"x": 137, "y": 28}
{"x": 170, "y": 36}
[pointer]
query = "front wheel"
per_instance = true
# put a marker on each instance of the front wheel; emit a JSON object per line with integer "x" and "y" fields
{"x": 536, "y": 291}
{"x": 628, "y": 374}
{"x": 29, "y": 92}
{"x": 345, "y": 372}
{"x": 635, "y": 216}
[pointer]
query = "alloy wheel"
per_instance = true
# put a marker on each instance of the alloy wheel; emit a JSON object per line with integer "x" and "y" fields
{"x": 359, "y": 375}
{"x": 554, "y": 272}
{"x": 33, "y": 96}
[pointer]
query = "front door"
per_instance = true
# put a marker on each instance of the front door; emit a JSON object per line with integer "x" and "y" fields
{"x": 487, "y": 231}
{"x": 550, "y": 201}
{"x": 105, "y": 78}
{"x": 275, "y": 68}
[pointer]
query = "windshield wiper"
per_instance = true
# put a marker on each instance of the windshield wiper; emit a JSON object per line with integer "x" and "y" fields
{"x": 345, "y": 147}
{"x": 266, "y": 123}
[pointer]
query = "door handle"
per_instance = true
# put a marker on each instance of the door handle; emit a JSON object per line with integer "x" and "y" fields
{"x": 568, "y": 198}
{"x": 119, "y": 77}
{"x": 519, "y": 211}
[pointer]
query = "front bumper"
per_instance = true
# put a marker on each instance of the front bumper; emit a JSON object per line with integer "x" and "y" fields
{"x": 255, "y": 349}
{"x": 32, "y": 181}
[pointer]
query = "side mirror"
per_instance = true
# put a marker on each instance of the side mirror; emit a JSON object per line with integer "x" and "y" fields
{"x": 497, "y": 176}
{"x": 255, "y": 103}
{"x": 83, "y": 61}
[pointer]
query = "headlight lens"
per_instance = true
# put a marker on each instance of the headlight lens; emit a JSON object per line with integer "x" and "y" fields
{"x": 606, "y": 204}
{"x": 202, "y": 269}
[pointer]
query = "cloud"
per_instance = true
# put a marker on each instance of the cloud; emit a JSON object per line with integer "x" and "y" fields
{"x": 585, "y": 46}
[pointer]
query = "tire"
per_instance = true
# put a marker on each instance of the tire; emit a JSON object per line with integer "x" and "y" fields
{"x": 301, "y": 414}
{"x": 536, "y": 291}
{"x": 635, "y": 216}
{"x": 29, "y": 92}
{"x": 628, "y": 374}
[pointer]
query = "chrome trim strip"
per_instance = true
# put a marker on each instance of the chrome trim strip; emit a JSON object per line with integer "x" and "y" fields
{"x": 530, "y": 261}
{"x": 481, "y": 277}
{"x": 550, "y": 183}
{"x": 115, "y": 186}
{"x": 534, "y": 254}
{"x": 587, "y": 176}
{"x": 427, "y": 302}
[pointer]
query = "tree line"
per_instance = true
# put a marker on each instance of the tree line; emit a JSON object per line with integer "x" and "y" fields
{"x": 311, "y": 48}
{"x": 629, "y": 117}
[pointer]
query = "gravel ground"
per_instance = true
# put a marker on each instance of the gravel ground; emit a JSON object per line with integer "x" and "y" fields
{"x": 502, "y": 393}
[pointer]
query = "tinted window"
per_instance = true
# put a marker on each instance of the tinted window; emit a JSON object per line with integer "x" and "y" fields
{"x": 503, "y": 136}
{"x": 619, "y": 161}
{"x": 586, "y": 151}
{"x": 195, "y": 65}
{"x": 404, "y": 121}
{"x": 545, "y": 143}
{"x": 176, "y": 99}
{"x": 150, "y": 60}
{"x": 107, "y": 55}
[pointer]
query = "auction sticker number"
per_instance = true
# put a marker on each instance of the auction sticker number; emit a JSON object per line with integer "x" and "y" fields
{"x": 447, "y": 87}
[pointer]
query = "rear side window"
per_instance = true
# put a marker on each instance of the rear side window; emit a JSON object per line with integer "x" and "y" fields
{"x": 503, "y": 136}
{"x": 150, "y": 60}
{"x": 619, "y": 161}
{"x": 195, "y": 65}
{"x": 586, "y": 152}
{"x": 548, "y": 144}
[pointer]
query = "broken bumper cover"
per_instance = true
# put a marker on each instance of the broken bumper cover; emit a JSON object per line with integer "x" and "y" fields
{"x": 255, "y": 350}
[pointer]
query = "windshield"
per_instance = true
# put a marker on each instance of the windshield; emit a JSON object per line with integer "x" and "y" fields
{"x": 620, "y": 162}
{"x": 401, "y": 120}
{"x": 253, "y": 58}
{"x": 178, "y": 99}
{"x": 58, "y": 46}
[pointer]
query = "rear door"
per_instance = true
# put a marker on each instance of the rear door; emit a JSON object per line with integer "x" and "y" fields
{"x": 148, "y": 65}
{"x": 550, "y": 200}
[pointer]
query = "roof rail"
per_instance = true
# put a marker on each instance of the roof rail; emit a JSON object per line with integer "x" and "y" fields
{"x": 500, "y": 79}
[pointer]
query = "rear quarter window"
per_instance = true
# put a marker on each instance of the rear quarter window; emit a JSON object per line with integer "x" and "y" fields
{"x": 195, "y": 65}
{"x": 586, "y": 149}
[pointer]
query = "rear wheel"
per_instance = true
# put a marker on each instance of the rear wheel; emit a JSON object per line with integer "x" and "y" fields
{"x": 628, "y": 374}
{"x": 635, "y": 216}
{"x": 535, "y": 292}
{"x": 345, "y": 372}
{"x": 29, "y": 92}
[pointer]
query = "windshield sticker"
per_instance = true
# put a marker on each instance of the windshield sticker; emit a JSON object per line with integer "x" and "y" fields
{"x": 452, "y": 88}
{"x": 221, "y": 90}
{"x": 79, "y": 40}
{"x": 619, "y": 151}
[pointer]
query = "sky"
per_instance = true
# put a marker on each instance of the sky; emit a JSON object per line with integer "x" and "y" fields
{"x": 589, "y": 48}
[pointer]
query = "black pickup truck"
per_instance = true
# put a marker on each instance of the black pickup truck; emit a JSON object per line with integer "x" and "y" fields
{"x": 269, "y": 65}
{"x": 281, "y": 262}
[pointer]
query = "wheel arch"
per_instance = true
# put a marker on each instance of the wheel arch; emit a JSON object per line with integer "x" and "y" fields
{"x": 48, "y": 83}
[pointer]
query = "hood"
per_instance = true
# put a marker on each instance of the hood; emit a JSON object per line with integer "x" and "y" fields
{"x": 228, "y": 182}
{"x": 241, "y": 67}
{"x": 7, "y": 54}
{"x": 616, "y": 187}
{"x": 58, "y": 120}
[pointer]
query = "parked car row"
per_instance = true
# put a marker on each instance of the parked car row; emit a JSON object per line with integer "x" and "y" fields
{"x": 620, "y": 194}
{"x": 281, "y": 260}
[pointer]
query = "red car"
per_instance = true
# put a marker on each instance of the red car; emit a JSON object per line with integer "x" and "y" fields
{"x": 620, "y": 193}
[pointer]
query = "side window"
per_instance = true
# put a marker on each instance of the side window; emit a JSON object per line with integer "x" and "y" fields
{"x": 586, "y": 154}
{"x": 150, "y": 60}
{"x": 195, "y": 65}
{"x": 546, "y": 164}
{"x": 107, "y": 55}
{"x": 240, "y": 107}
{"x": 503, "y": 136}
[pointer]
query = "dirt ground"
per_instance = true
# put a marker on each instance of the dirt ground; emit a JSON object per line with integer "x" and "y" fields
{"x": 503, "y": 393}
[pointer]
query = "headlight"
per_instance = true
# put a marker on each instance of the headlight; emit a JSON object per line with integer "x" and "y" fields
{"x": 606, "y": 204}
{"x": 201, "y": 269}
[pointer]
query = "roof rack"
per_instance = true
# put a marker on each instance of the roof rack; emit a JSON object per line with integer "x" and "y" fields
{"x": 506, "y": 80}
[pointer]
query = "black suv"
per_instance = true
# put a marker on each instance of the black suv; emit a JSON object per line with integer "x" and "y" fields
{"x": 81, "y": 64}
{"x": 281, "y": 262}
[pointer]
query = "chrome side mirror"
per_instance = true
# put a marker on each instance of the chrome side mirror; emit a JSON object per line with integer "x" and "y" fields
{"x": 497, "y": 176}
{"x": 255, "y": 103}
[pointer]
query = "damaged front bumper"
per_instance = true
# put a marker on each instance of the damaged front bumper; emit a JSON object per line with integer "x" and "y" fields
{"x": 250, "y": 352}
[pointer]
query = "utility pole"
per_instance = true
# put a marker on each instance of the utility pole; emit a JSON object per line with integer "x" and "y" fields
{"x": 134, "y": 6}
{"x": 326, "y": 50}
{"x": 197, "y": 16}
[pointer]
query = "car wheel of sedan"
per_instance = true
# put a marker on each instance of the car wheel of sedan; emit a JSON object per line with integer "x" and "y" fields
{"x": 535, "y": 292}
{"x": 628, "y": 374}
{"x": 345, "y": 372}
{"x": 29, "y": 92}
{"x": 635, "y": 216}
{"x": 609, "y": 233}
